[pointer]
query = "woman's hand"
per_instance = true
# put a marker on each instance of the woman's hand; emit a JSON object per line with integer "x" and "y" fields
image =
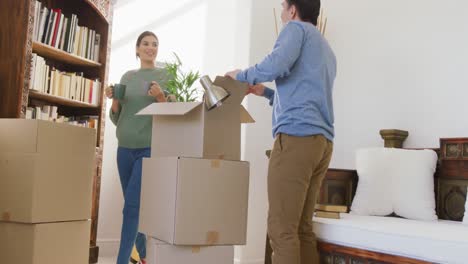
{"x": 258, "y": 89}
{"x": 109, "y": 92}
{"x": 156, "y": 92}
{"x": 171, "y": 98}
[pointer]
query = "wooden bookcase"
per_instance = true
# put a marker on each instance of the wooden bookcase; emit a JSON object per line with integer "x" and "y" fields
{"x": 16, "y": 47}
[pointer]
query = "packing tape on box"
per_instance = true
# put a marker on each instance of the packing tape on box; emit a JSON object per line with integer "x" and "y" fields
{"x": 212, "y": 237}
{"x": 196, "y": 250}
{"x": 215, "y": 163}
{"x": 6, "y": 216}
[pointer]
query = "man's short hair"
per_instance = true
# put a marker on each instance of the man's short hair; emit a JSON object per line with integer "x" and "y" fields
{"x": 308, "y": 10}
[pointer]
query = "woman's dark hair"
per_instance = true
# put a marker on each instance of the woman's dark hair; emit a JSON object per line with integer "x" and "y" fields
{"x": 308, "y": 10}
{"x": 142, "y": 35}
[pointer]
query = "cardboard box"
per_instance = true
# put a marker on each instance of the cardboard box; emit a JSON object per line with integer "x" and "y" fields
{"x": 159, "y": 252}
{"x": 190, "y": 130}
{"x": 190, "y": 201}
{"x": 50, "y": 243}
{"x": 46, "y": 171}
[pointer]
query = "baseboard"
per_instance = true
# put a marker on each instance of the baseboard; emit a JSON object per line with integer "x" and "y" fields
{"x": 108, "y": 247}
{"x": 251, "y": 261}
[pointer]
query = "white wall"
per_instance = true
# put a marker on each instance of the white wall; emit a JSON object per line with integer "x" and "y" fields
{"x": 257, "y": 137}
{"x": 402, "y": 64}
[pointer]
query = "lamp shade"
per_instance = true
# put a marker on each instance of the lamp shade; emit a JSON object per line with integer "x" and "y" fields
{"x": 214, "y": 95}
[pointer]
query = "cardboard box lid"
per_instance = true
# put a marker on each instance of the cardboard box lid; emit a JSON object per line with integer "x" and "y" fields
{"x": 245, "y": 117}
{"x": 32, "y": 136}
{"x": 235, "y": 88}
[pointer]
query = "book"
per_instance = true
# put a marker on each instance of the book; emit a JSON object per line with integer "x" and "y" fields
{"x": 331, "y": 208}
{"x": 58, "y": 36}
{"x": 42, "y": 22}
{"x": 32, "y": 71}
{"x": 97, "y": 42}
{"x": 47, "y": 26}
{"x": 37, "y": 16}
{"x": 56, "y": 27}
{"x": 323, "y": 214}
{"x": 50, "y": 33}
{"x": 29, "y": 113}
{"x": 71, "y": 38}
{"x": 65, "y": 39}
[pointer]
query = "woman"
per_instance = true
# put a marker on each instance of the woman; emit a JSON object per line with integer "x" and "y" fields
{"x": 143, "y": 87}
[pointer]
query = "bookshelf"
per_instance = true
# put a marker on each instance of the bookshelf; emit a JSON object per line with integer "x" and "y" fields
{"x": 19, "y": 41}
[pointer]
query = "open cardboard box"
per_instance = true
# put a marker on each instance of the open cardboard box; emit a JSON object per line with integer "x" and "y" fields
{"x": 190, "y": 130}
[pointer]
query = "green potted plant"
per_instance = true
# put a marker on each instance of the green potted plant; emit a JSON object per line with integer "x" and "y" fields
{"x": 180, "y": 84}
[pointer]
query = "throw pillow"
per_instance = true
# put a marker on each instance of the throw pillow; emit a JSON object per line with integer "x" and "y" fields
{"x": 395, "y": 181}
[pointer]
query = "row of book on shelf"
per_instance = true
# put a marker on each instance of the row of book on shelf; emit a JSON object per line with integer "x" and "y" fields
{"x": 61, "y": 31}
{"x": 50, "y": 113}
{"x": 69, "y": 85}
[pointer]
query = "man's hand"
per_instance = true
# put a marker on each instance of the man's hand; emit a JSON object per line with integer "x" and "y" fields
{"x": 258, "y": 89}
{"x": 232, "y": 74}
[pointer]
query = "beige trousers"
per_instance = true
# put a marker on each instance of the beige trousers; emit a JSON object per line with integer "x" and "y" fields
{"x": 295, "y": 173}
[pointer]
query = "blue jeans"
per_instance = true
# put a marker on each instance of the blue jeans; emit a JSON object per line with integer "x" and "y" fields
{"x": 129, "y": 163}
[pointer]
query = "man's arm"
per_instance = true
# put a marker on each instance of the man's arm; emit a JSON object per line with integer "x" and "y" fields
{"x": 279, "y": 62}
{"x": 269, "y": 94}
{"x": 262, "y": 90}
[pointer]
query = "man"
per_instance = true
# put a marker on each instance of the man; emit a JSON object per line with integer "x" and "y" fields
{"x": 304, "y": 68}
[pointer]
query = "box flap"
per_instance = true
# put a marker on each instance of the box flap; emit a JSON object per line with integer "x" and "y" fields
{"x": 235, "y": 88}
{"x": 181, "y": 108}
{"x": 245, "y": 117}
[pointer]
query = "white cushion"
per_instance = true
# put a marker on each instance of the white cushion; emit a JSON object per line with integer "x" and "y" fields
{"x": 465, "y": 217}
{"x": 395, "y": 181}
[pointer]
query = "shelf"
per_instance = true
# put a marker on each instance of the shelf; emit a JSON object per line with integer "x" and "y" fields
{"x": 59, "y": 100}
{"x": 60, "y": 55}
{"x": 94, "y": 5}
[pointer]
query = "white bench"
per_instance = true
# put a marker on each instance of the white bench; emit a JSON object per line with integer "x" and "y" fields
{"x": 439, "y": 241}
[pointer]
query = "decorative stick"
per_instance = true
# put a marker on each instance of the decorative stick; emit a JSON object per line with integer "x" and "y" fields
{"x": 319, "y": 24}
{"x": 276, "y": 22}
{"x": 324, "y": 26}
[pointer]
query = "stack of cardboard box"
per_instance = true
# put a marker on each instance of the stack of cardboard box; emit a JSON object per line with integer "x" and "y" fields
{"x": 194, "y": 198}
{"x": 46, "y": 172}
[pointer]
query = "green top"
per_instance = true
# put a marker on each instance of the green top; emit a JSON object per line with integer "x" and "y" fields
{"x": 135, "y": 131}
